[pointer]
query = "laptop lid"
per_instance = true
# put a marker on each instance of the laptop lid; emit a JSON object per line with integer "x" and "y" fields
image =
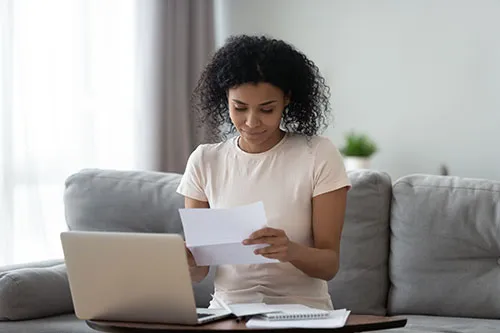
{"x": 135, "y": 277}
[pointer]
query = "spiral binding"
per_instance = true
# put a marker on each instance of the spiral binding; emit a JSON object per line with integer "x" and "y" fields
{"x": 296, "y": 316}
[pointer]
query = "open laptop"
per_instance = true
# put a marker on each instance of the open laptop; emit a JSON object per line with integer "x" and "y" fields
{"x": 132, "y": 277}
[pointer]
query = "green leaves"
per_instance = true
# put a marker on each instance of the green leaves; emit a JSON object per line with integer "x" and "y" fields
{"x": 359, "y": 145}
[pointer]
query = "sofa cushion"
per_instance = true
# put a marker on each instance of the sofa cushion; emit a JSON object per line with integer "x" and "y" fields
{"x": 34, "y": 264}
{"x": 56, "y": 324}
{"x": 435, "y": 324}
{"x": 445, "y": 247}
{"x": 34, "y": 292}
{"x": 362, "y": 282}
{"x": 127, "y": 201}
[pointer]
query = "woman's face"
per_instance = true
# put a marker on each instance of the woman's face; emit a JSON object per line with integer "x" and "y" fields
{"x": 256, "y": 111}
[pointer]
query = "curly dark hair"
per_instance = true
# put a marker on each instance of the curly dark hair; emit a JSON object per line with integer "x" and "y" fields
{"x": 253, "y": 59}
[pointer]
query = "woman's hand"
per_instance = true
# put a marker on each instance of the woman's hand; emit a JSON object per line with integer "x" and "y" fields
{"x": 190, "y": 257}
{"x": 197, "y": 273}
{"x": 280, "y": 247}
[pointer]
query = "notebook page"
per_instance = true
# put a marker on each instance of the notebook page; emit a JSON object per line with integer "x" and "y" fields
{"x": 337, "y": 318}
{"x": 295, "y": 311}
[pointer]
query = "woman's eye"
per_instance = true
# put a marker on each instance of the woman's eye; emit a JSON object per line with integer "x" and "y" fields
{"x": 268, "y": 110}
{"x": 239, "y": 108}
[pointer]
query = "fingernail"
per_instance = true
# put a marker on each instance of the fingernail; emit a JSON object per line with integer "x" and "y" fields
{"x": 245, "y": 242}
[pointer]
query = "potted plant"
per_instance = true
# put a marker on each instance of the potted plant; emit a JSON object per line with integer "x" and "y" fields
{"x": 358, "y": 150}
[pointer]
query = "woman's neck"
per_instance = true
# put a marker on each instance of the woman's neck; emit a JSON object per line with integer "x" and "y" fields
{"x": 262, "y": 147}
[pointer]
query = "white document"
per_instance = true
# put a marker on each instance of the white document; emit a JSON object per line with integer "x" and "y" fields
{"x": 244, "y": 309}
{"x": 337, "y": 318}
{"x": 248, "y": 309}
{"x": 215, "y": 235}
{"x": 294, "y": 312}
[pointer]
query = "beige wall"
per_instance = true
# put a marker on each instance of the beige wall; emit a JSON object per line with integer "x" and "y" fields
{"x": 421, "y": 77}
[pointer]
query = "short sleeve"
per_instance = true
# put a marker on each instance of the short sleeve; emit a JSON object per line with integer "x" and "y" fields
{"x": 329, "y": 172}
{"x": 193, "y": 180}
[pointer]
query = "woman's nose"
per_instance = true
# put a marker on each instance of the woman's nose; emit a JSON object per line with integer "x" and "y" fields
{"x": 252, "y": 120}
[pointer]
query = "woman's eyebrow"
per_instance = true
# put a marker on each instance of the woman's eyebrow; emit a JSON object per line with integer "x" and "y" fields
{"x": 261, "y": 104}
{"x": 239, "y": 102}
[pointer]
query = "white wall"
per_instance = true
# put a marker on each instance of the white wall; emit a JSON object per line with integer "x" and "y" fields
{"x": 421, "y": 77}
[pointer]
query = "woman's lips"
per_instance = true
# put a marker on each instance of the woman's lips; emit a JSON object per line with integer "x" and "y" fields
{"x": 254, "y": 133}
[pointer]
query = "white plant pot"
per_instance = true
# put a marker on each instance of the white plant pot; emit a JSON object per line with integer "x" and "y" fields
{"x": 355, "y": 163}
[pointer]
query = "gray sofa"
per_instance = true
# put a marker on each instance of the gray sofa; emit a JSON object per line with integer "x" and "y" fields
{"x": 426, "y": 247}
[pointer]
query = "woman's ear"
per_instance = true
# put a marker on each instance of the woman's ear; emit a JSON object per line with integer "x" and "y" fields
{"x": 287, "y": 99}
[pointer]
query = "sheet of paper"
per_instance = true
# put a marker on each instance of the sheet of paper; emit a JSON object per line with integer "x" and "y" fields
{"x": 229, "y": 253}
{"x": 338, "y": 318}
{"x": 294, "y": 308}
{"x": 214, "y": 235}
{"x": 248, "y": 309}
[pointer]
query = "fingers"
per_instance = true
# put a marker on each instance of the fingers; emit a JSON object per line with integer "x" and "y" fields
{"x": 278, "y": 256}
{"x": 269, "y": 250}
{"x": 266, "y": 240}
{"x": 266, "y": 232}
{"x": 190, "y": 257}
{"x": 188, "y": 251}
{"x": 265, "y": 235}
{"x": 277, "y": 240}
{"x": 279, "y": 253}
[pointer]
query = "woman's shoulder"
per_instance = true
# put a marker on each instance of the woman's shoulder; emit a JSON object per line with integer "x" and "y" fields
{"x": 209, "y": 151}
{"x": 312, "y": 144}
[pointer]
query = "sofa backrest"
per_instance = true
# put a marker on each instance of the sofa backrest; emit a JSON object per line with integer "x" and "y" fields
{"x": 128, "y": 201}
{"x": 362, "y": 282}
{"x": 138, "y": 201}
{"x": 445, "y": 247}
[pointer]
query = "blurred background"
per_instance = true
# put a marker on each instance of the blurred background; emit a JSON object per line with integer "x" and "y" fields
{"x": 106, "y": 84}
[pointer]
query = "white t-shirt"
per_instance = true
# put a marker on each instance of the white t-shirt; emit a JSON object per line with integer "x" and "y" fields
{"x": 285, "y": 178}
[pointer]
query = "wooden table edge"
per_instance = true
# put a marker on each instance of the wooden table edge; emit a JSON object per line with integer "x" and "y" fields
{"x": 352, "y": 325}
{"x": 391, "y": 323}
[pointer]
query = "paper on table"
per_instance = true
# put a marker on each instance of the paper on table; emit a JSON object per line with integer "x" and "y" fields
{"x": 338, "y": 318}
{"x": 214, "y": 235}
{"x": 248, "y": 309}
{"x": 244, "y": 309}
{"x": 294, "y": 311}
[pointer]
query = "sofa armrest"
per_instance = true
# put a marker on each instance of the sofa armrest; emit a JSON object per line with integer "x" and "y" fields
{"x": 35, "y": 264}
{"x": 34, "y": 290}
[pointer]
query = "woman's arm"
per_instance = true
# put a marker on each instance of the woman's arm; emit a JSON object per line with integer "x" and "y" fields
{"x": 198, "y": 273}
{"x": 322, "y": 260}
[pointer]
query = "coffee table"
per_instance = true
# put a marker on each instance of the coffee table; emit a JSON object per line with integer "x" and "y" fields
{"x": 355, "y": 323}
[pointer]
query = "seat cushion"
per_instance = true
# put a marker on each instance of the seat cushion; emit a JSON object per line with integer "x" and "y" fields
{"x": 362, "y": 282}
{"x": 57, "y": 324}
{"x": 445, "y": 247}
{"x": 434, "y": 324}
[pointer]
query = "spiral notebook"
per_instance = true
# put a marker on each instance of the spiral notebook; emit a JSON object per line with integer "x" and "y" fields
{"x": 336, "y": 319}
{"x": 294, "y": 312}
{"x": 274, "y": 312}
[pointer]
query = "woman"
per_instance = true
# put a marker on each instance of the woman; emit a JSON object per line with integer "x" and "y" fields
{"x": 277, "y": 101}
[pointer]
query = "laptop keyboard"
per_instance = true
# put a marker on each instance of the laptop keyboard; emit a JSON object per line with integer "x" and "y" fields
{"x": 203, "y": 315}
